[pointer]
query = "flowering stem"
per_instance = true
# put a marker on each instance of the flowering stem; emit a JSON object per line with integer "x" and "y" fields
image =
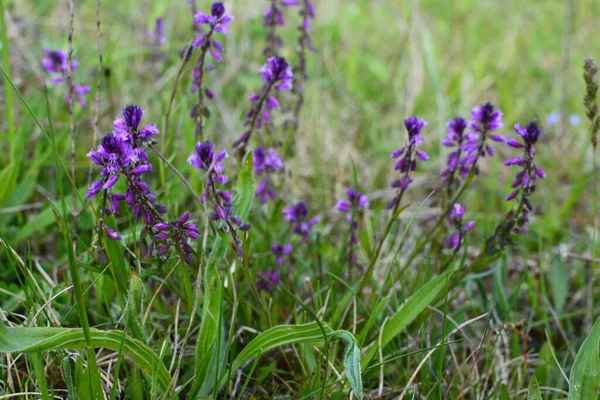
{"x": 301, "y": 68}
{"x": 200, "y": 104}
{"x": 258, "y": 110}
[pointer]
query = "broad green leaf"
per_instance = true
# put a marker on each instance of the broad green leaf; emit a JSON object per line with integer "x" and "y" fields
{"x": 407, "y": 314}
{"x": 351, "y": 361}
{"x": 534, "y": 389}
{"x": 27, "y": 340}
{"x": 585, "y": 373}
{"x": 87, "y": 382}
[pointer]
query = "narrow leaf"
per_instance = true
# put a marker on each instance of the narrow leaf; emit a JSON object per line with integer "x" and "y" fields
{"x": 585, "y": 374}
{"x": 406, "y": 314}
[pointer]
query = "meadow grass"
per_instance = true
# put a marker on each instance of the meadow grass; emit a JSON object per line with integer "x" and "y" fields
{"x": 413, "y": 321}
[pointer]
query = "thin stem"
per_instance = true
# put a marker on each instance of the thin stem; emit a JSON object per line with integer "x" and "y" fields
{"x": 200, "y": 104}
{"x": 10, "y": 117}
{"x": 70, "y": 92}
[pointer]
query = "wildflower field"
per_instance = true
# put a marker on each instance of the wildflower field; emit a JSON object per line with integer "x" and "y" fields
{"x": 299, "y": 199}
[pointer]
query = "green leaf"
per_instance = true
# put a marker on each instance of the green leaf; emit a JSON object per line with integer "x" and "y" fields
{"x": 312, "y": 333}
{"x": 351, "y": 361}
{"x": 585, "y": 374}
{"x": 559, "y": 283}
{"x": 534, "y": 389}
{"x": 28, "y": 340}
{"x": 8, "y": 177}
{"x": 406, "y": 314}
{"x": 246, "y": 187}
{"x": 206, "y": 346}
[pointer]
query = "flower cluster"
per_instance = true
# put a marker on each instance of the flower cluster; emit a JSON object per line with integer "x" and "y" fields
{"x": 407, "y": 156}
{"x": 55, "y": 62}
{"x": 157, "y": 38}
{"x": 307, "y": 13}
{"x": 204, "y": 158}
{"x": 455, "y": 240}
{"x": 265, "y": 164}
{"x": 355, "y": 204}
{"x": 217, "y": 21}
{"x": 484, "y": 120}
{"x": 298, "y": 215}
{"x": 525, "y": 180}
{"x": 122, "y": 153}
{"x": 455, "y": 138}
{"x": 277, "y": 75}
{"x": 273, "y": 17}
{"x": 268, "y": 280}
{"x": 176, "y": 234}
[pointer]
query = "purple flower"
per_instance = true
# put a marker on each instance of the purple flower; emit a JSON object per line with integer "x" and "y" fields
{"x": 355, "y": 200}
{"x": 217, "y": 20}
{"x": 55, "y": 62}
{"x": 127, "y": 128}
{"x": 455, "y": 239}
{"x": 455, "y": 138}
{"x": 266, "y": 163}
{"x": 485, "y": 119}
{"x": 298, "y": 215}
{"x": 354, "y": 205}
{"x": 277, "y": 75}
{"x": 407, "y": 156}
{"x": 280, "y": 251}
{"x": 277, "y": 72}
{"x": 268, "y": 280}
{"x": 120, "y": 154}
{"x": 176, "y": 234}
{"x": 524, "y": 183}
{"x": 157, "y": 38}
{"x": 205, "y": 158}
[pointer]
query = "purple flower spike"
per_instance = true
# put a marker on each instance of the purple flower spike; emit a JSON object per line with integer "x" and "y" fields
{"x": 266, "y": 164}
{"x": 352, "y": 207}
{"x": 277, "y": 75}
{"x": 455, "y": 240}
{"x": 121, "y": 153}
{"x": 455, "y": 170}
{"x": 524, "y": 184}
{"x": 298, "y": 215}
{"x": 55, "y": 63}
{"x": 485, "y": 119}
{"x": 407, "y": 157}
{"x": 204, "y": 158}
{"x": 267, "y": 281}
{"x": 218, "y": 22}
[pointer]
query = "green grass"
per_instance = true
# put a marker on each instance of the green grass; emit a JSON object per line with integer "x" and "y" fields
{"x": 449, "y": 326}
